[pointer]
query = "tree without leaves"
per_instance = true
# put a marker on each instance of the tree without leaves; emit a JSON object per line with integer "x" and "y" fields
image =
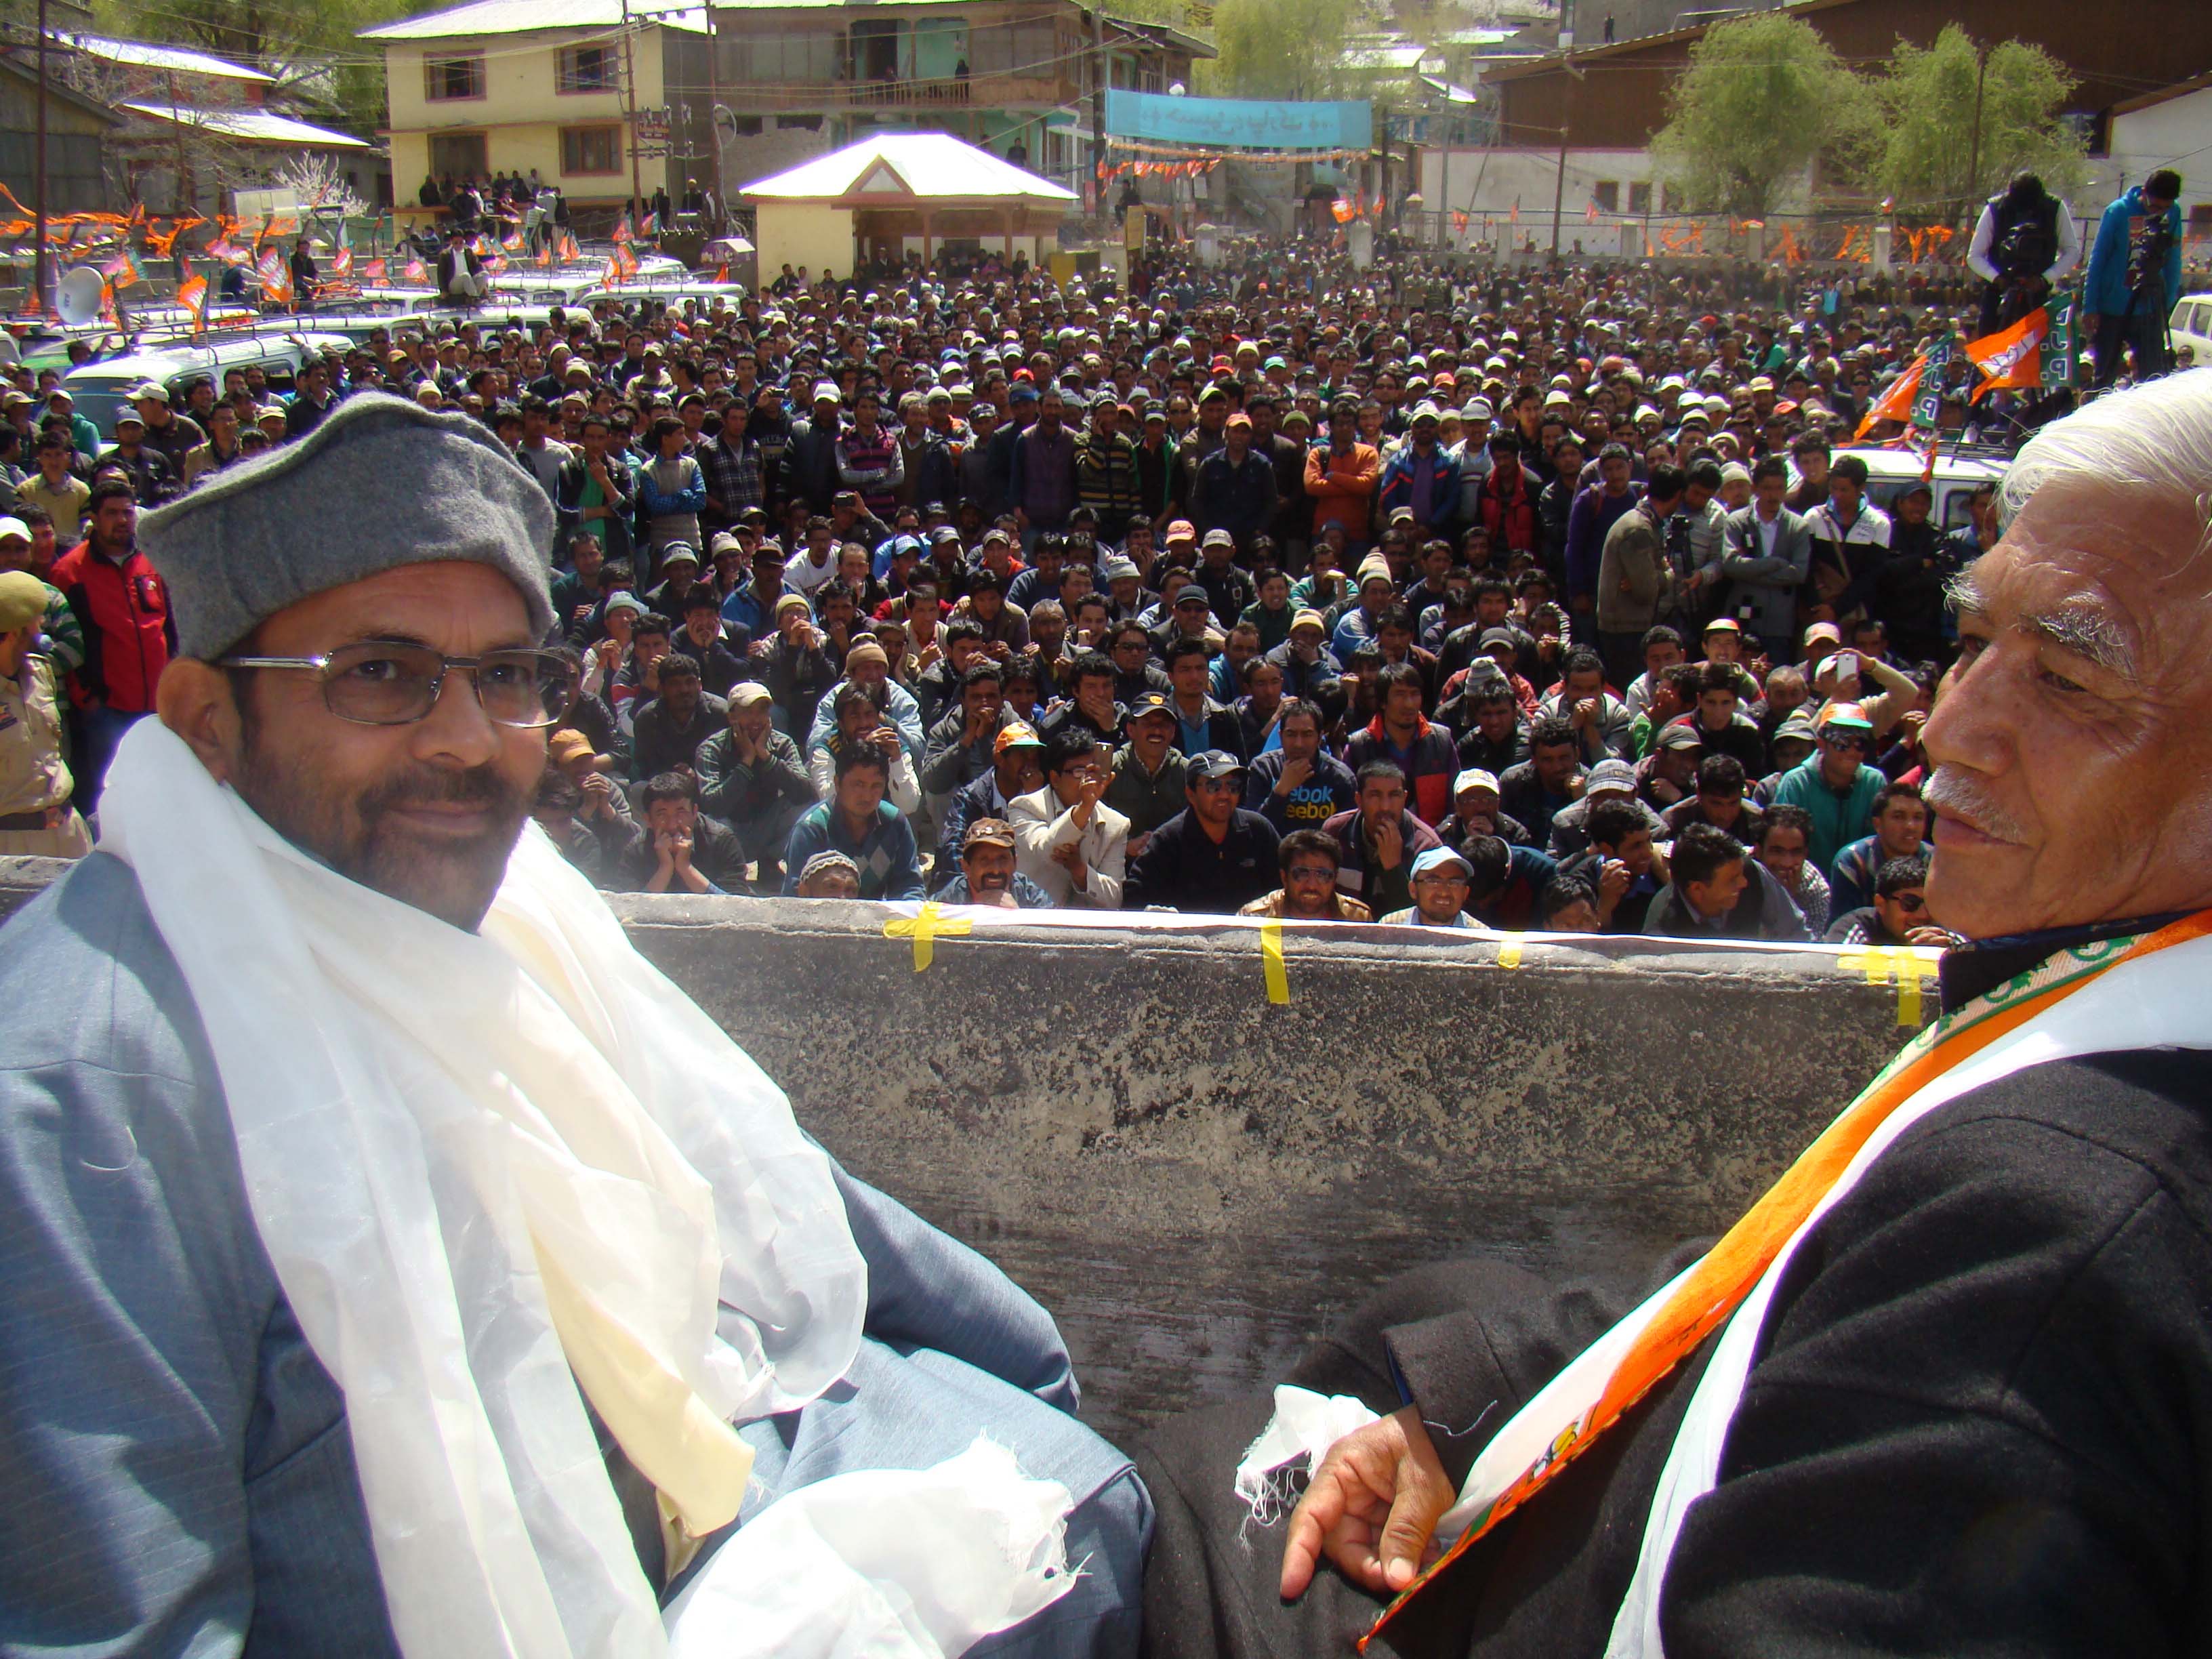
{"x": 1762, "y": 98}
{"x": 1932, "y": 155}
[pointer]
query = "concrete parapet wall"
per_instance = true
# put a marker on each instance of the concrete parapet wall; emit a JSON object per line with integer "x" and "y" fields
{"x": 1195, "y": 1179}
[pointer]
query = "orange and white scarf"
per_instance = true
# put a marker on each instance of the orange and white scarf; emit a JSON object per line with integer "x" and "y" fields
{"x": 2144, "y": 992}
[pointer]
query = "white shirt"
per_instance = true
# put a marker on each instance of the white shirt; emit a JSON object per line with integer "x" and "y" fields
{"x": 2069, "y": 246}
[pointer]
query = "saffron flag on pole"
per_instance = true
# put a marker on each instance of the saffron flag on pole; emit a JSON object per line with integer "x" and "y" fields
{"x": 622, "y": 228}
{"x": 650, "y": 225}
{"x": 276, "y": 280}
{"x": 1895, "y": 402}
{"x": 416, "y": 271}
{"x": 512, "y": 240}
{"x": 2011, "y": 360}
{"x": 191, "y": 294}
{"x": 342, "y": 262}
{"x": 1925, "y": 436}
{"x": 570, "y": 250}
{"x": 372, "y": 272}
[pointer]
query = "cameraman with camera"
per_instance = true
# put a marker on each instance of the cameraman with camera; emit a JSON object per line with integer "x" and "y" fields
{"x": 2024, "y": 243}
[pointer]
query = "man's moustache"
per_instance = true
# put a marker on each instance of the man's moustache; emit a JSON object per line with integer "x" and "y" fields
{"x": 479, "y": 786}
{"x": 1956, "y": 794}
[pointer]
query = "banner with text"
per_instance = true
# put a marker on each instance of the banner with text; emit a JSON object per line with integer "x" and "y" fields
{"x": 1239, "y": 122}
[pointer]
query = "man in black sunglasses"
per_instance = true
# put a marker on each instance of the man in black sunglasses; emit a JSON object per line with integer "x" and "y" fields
{"x": 1834, "y": 783}
{"x": 1899, "y": 914}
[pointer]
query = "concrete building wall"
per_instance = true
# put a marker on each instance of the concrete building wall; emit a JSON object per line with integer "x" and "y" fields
{"x": 1196, "y": 1180}
{"x": 798, "y": 233}
{"x": 522, "y": 111}
{"x": 2177, "y": 134}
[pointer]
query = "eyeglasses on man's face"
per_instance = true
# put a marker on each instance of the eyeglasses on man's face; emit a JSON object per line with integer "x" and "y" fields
{"x": 396, "y": 683}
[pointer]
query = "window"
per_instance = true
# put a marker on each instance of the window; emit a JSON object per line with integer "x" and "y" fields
{"x": 445, "y": 79}
{"x": 1607, "y": 195}
{"x": 1639, "y": 199}
{"x": 798, "y": 123}
{"x": 588, "y": 69}
{"x": 1025, "y": 49}
{"x": 459, "y": 155}
{"x": 745, "y": 126}
{"x": 591, "y": 149}
{"x": 800, "y": 58}
{"x": 2200, "y": 221}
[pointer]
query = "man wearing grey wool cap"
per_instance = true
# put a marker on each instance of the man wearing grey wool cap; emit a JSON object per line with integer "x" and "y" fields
{"x": 392, "y": 1261}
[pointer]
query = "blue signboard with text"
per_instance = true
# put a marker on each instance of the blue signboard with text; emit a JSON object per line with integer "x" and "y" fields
{"x": 1239, "y": 122}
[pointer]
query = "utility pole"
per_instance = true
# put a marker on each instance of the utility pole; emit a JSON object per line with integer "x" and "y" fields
{"x": 1099, "y": 71}
{"x": 722, "y": 214}
{"x": 629, "y": 111}
{"x": 1974, "y": 144}
{"x": 41, "y": 273}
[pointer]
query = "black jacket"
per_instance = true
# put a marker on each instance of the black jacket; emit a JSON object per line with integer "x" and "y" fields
{"x": 1184, "y": 869}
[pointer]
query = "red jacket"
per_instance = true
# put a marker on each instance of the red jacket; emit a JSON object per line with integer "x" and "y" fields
{"x": 128, "y": 635}
{"x": 1435, "y": 764}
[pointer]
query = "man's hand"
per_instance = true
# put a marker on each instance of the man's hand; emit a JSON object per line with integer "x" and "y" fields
{"x": 676, "y": 847}
{"x": 1138, "y": 844}
{"x": 1939, "y": 939}
{"x": 598, "y": 795}
{"x": 1294, "y": 774}
{"x": 1615, "y": 879}
{"x": 1585, "y": 714}
{"x": 885, "y": 738}
{"x": 1390, "y": 845}
{"x": 1372, "y": 1508}
{"x": 971, "y": 727}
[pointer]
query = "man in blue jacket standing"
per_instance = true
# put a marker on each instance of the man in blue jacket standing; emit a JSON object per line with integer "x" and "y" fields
{"x": 2135, "y": 275}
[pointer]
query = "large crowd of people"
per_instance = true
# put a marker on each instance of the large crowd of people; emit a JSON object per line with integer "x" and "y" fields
{"x": 1431, "y": 592}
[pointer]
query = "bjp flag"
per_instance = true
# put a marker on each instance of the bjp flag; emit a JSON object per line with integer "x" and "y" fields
{"x": 2012, "y": 358}
{"x": 1895, "y": 404}
{"x": 191, "y": 294}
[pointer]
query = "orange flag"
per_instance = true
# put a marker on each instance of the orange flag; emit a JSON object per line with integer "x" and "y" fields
{"x": 1896, "y": 404}
{"x": 191, "y": 294}
{"x": 2012, "y": 358}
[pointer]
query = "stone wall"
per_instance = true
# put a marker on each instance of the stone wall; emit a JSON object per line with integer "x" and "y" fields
{"x": 1195, "y": 1179}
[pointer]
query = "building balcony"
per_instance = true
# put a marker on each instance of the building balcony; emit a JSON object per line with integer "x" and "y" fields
{"x": 952, "y": 93}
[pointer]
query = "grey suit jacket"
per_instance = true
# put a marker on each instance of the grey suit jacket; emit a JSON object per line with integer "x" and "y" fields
{"x": 1766, "y": 584}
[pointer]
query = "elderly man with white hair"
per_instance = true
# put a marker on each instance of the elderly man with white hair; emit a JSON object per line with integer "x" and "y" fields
{"x": 1948, "y": 1386}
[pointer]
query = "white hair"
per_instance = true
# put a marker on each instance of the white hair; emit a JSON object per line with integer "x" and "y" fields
{"x": 2152, "y": 439}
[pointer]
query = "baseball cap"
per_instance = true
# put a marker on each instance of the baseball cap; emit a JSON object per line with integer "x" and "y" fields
{"x": 1475, "y": 778}
{"x": 988, "y": 832}
{"x": 1192, "y": 593}
{"x": 1212, "y": 763}
{"x": 1491, "y": 636}
{"x": 1680, "y": 737}
{"x": 1824, "y": 630}
{"x": 1151, "y": 702}
{"x": 1723, "y": 625}
{"x": 1016, "y": 734}
{"x": 825, "y": 392}
{"x": 1117, "y": 569}
{"x": 567, "y": 746}
{"x": 126, "y": 416}
{"x": 1218, "y": 538}
{"x": 1239, "y": 419}
{"x": 1798, "y": 724}
{"x": 153, "y": 389}
{"x": 1440, "y": 858}
{"x": 746, "y": 693}
{"x": 1182, "y": 530}
{"x": 1849, "y": 716}
{"x": 1610, "y": 775}
{"x": 15, "y": 527}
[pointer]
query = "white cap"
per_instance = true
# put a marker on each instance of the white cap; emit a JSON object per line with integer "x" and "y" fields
{"x": 1475, "y": 778}
{"x": 17, "y": 527}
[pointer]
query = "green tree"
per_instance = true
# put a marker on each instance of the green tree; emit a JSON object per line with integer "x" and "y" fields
{"x": 1959, "y": 121}
{"x": 1278, "y": 48}
{"x": 1762, "y": 99}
